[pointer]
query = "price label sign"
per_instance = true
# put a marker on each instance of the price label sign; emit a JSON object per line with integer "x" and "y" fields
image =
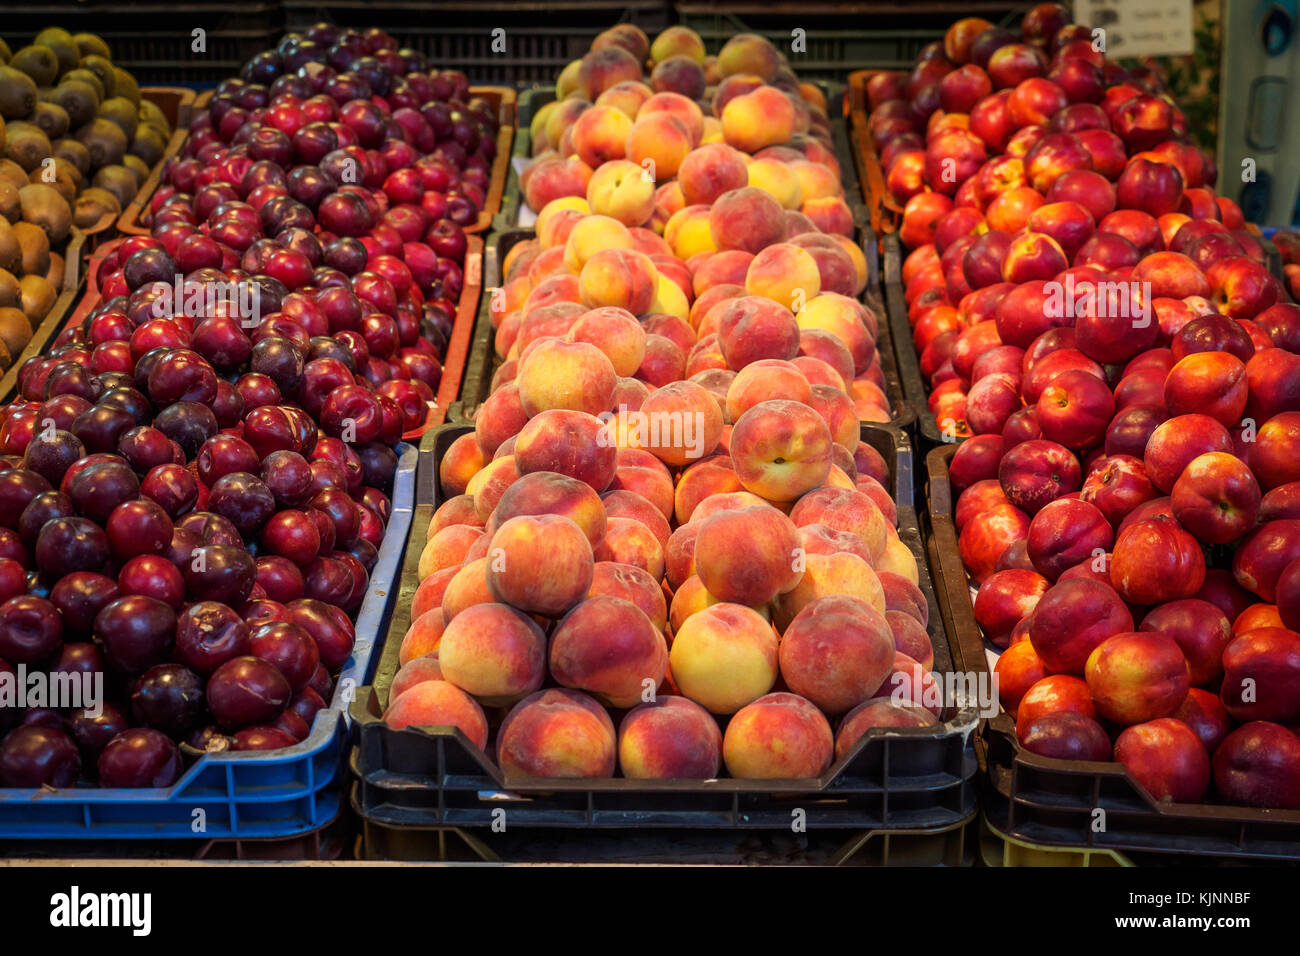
{"x": 1135, "y": 28}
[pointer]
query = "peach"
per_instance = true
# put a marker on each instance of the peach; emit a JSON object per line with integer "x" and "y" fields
{"x": 835, "y": 267}
{"x": 710, "y": 171}
{"x": 557, "y": 734}
{"x": 840, "y": 414}
{"x": 721, "y": 269}
{"x": 748, "y": 556}
{"x": 570, "y": 443}
{"x": 816, "y": 181}
{"x": 679, "y": 555}
{"x": 617, "y": 334}
{"x": 677, "y": 41}
{"x": 609, "y": 648}
{"x": 422, "y": 637}
{"x": 606, "y": 67}
{"x": 837, "y": 652}
{"x": 631, "y": 584}
{"x": 628, "y": 541}
{"x": 491, "y": 483}
{"x": 679, "y": 74}
{"x": 784, "y": 273}
{"x": 542, "y": 564}
{"x": 830, "y": 214}
{"x": 457, "y": 510}
{"x": 658, "y": 142}
{"x": 464, "y": 457}
{"x": 622, "y": 190}
{"x": 620, "y": 278}
{"x": 669, "y": 299}
{"x": 554, "y": 178}
{"x": 626, "y": 97}
{"x": 910, "y": 683}
{"x": 549, "y": 493}
{"x": 709, "y": 477}
{"x": 726, "y": 501}
{"x": 778, "y": 737}
{"x": 781, "y": 450}
{"x": 499, "y": 417}
{"x": 753, "y": 328}
{"x": 859, "y": 260}
{"x": 600, "y": 134}
{"x": 688, "y": 232}
{"x": 691, "y": 598}
{"x": 910, "y": 638}
{"x": 820, "y": 539}
{"x": 746, "y": 218}
{"x": 566, "y": 375}
{"x": 664, "y": 362}
{"x": 669, "y": 738}
{"x": 877, "y": 713}
{"x": 430, "y": 592}
{"x": 447, "y": 549}
{"x": 827, "y": 574}
{"x": 777, "y": 180}
{"x": 682, "y": 107}
{"x": 629, "y": 36}
{"x": 640, "y": 471}
{"x": 437, "y": 703}
{"x": 844, "y": 510}
{"x": 749, "y": 53}
{"x": 413, "y": 672}
{"x": 844, "y": 318}
{"x": 724, "y": 657}
{"x": 589, "y": 236}
{"x": 629, "y": 504}
{"x": 494, "y": 653}
{"x": 679, "y": 423}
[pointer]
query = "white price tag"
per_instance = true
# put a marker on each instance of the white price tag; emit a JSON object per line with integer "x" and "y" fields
{"x": 1135, "y": 28}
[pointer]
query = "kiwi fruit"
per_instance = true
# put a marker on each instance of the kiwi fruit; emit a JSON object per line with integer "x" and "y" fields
{"x": 6, "y": 360}
{"x": 35, "y": 246}
{"x": 9, "y": 294}
{"x": 78, "y": 99}
{"x": 52, "y": 119}
{"x": 10, "y": 207}
{"x": 85, "y": 76}
{"x": 123, "y": 112}
{"x": 55, "y": 273}
{"x": 151, "y": 114}
{"x": 125, "y": 86}
{"x": 149, "y": 145}
{"x": 44, "y": 206}
{"x": 15, "y": 329}
{"x": 60, "y": 174}
{"x": 5, "y": 54}
{"x": 38, "y": 62}
{"x": 17, "y": 93}
{"x": 73, "y": 152}
{"x": 26, "y": 145}
{"x": 38, "y": 294}
{"x": 88, "y": 44}
{"x": 11, "y": 172}
{"x": 139, "y": 168}
{"x": 103, "y": 69}
{"x": 92, "y": 205}
{"x": 105, "y": 140}
{"x": 59, "y": 42}
{"x": 118, "y": 180}
{"x": 11, "y": 251}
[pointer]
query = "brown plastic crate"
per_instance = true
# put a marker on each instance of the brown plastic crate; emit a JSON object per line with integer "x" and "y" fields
{"x": 1052, "y": 802}
{"x": 504, "y": 98}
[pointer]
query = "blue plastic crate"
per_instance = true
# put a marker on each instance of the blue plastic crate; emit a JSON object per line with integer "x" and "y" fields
{"x": 250, "y": 794}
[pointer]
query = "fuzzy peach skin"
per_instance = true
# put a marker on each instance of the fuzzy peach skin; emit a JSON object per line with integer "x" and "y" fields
{"x": 566, "y": 375}
{"x": 723, "y": 657}
{"x": 570, "y": 443}
{"x": 541, "y": 564}
{"x": 679, "y": 423}
{"x": 786, "y": 274}
{"x": 550, "y": 493}
{"x": 669, "y": 738}
{"x": 494, "y": 653}
{"x": 459, "y": 464}
{"x": 826, "y": 574}
{"x": 622, "y": 190}
{"x": 748, "y": 557}
{"x": 437, "y": 703}
{"x": 764, "y": 117}
{"x": 779, "y": 736}
{"x": 467, "y": 588}
{"x": 422, "y": 637}
{"x": 658, "y": 142}
{"x": 590, "y": 235}
{"x": 622, "y": 278}
{"x": 607, "y": 647}
{"x": 781, "y": 450}
{"x": 557, "y": 733}
{"x": 837, "y": 652}
{"x": 844, "y": 510}
{"x": 628, "y": 541}
{"x": 447, "y": 549}
{"x": 631, "y": 584}
{"x": 878, "y": 713}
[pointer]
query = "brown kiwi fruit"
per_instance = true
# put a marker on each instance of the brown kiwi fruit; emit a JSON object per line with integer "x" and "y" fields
{"x": 36, "y": 248}
{"x": 122, "y": 112}
{"x": 149, "y": 145}
{"x": 89, "y": 44}
{"x": 92, "y": 205}
{"x": 152, "y": 114}
{"x": 52, "y": 119}
{"x": 103, "y": 69}
{"x": 69, "y": 149}
{"x": 11, "y": 172}
{"x": 26, "y": 145}
{"x": 10, "y": 207}
{"x": 125, "y": 86}
{"x": 6, "y": 360}
{"x": 38, "y": 295}
{"x": 5, "y": 54}
{"x": 10, "y": 297}
{"x": 17, "y": 93}
{"x": 118, "y": 180}
{"x": 11, "y": 251}
{"x": 60, "y": 174}
{"x": 59, "y": 41}
{"x": 105, "y": 140}
{"x": 79, "y": 100}
{"x": 44, "y": 206}
{"x": 139, "y": 168}
{"x": 85, "y": 76}
{"x": 15, "y": 329}
{"x": 54, "y": 274}
{"x": 38, "y": 62}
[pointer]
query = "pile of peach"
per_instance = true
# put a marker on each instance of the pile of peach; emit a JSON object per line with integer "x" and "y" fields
{"x": 1129, "y": 504}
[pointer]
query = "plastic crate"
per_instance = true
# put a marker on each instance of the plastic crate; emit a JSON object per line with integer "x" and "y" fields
{"x": 154, "y": 41}
{"x": 1052, "y": 802}
{"x": 74, "y": 272}
{"x": 998, "y": 849}
{"x": 178, "y": 105}
{"x": 885, "y": 212}
{"x": 245, "y": 795}
{"x": 893, "y": 779}
{"x": 504, "y": 99}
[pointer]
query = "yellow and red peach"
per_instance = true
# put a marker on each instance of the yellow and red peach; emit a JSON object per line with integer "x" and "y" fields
{"x": 622, "y": 278}
{"x": 827, "y": 574}
{"x": 606, "y": 67}
{"x": 682, "y": 107}
{"x": 778, "y": 737}
{"x": 677, "y": 41}
{"x": 589, "y": 236}
{"x": 658, "y": 142}
{"x": 724, "y": 656}
{"x": 749, "y": 53}
{"x": 622, "y": 190}
{"x": 617, "y": 334}
{"x": 784, "y": 273}
{"x": 837, "y": 652}
{"x": 746, "y": 218}
{"x": 844, "y": 510}
{"x": 566, "y": 375}
{"x": 669, "y": 738}
{"x": 552, "y": 179}
{"x": 607, "y": 647}
{"x": 600, "y": 135}
{"x": 683, "y": 421}
{"x": 557, "y": 733}
{"x": 494, "y": 653}
{"x": 437, "y": 703}
{"x": 764, "y": 381}
{"x": 781, "y": 450}
{"x": 422, "y": 637}
{"x": 628, "y": 541}
{"x": 748, "y": 575}
{"x": 447, "y": 549}
{"x": 549, "y": 493}
{"x": 631, "y": 584}
{"x": 541, "y": 564}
